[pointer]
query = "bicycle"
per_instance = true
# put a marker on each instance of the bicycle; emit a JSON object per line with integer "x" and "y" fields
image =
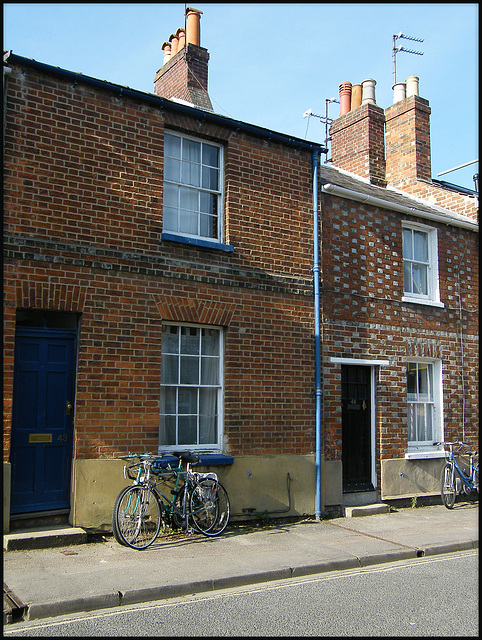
{"x": 454, "y": 480}
{"x": 142, "y": 508}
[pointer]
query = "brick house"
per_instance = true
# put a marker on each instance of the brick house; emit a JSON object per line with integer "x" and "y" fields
{"x": 159, "y": 268}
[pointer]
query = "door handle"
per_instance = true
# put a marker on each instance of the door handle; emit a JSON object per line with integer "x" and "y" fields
{"x": 68, "y": 408}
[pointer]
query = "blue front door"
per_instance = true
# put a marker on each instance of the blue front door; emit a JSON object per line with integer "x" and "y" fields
{"x": 42, "y": 419}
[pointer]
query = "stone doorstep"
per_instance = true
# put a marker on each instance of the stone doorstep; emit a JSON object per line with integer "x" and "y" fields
{"x": 366, "y": 510}
{"x": 44, "y": 538}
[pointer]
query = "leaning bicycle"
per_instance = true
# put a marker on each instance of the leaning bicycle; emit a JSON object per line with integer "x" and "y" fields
{"x": 143, "y": 508}
{"x": 456, "y": 477}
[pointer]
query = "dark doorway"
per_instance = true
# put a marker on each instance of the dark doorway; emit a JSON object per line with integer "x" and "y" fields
{"x": 356, "y": 428}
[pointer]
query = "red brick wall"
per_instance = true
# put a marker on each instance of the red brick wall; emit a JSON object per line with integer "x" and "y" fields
{"x": 365, "y": 318}
{"x": 83, "y": 222}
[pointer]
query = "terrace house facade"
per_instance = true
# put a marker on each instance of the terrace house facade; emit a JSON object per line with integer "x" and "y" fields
{"x": 160, "y": 262}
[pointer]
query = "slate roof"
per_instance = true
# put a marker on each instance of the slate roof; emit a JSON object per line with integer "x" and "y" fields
{"x": 390, "y": 195}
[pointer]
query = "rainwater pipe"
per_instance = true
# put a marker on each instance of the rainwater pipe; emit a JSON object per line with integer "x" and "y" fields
{"x": 316, "y": 289}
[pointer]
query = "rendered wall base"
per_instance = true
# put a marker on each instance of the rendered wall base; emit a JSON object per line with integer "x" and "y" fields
{"x": 255, "y": 484}
{"x": 333, "y": 483}
{"x": 6, "y": 496}
{"x": 410, "y": 478}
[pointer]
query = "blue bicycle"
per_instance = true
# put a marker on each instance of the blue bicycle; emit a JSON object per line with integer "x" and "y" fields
{"x": 460, "y": 473}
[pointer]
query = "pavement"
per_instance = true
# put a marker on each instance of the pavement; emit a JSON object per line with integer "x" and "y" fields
{"x": 53, "y": 572}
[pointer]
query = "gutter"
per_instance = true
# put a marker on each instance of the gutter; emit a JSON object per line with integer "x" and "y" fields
{"x": 163, "y": 103}
{"x": 444, "y": 217}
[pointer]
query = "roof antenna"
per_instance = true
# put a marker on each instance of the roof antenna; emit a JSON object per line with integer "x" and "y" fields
{"x": 323, "y": 119}
{"x": 396, "y": 50}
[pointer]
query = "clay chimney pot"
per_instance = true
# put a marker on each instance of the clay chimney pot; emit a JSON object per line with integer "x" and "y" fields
{"x": 193, "y": 26}
{"x": 345, "y": 97}
{"x": 181, "y": 34}
{"x": 356, "y": 96}
{"x": 166, "y": 48}
{"x": 174, "y": 40}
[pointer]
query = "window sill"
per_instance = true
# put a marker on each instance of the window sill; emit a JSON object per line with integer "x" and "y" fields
{"x": 424, "y": 455}
{"x": 427, "y": 303}
{"x": 196, "y": 242}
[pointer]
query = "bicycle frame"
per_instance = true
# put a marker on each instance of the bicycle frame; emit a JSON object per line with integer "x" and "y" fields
{"x": 143, "y": 478}
{"x": 470, "y": 480}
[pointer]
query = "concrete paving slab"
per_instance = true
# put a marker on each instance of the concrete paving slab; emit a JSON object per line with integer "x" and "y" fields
{"x": 66, "y": 579}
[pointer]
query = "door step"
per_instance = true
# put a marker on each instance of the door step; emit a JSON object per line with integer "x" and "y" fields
{"x": 366, "y": 510}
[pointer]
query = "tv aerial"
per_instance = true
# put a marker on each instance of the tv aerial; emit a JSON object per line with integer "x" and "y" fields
{"x": 397, "y": 49}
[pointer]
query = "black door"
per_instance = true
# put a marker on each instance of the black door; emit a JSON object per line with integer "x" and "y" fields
{"x": 356, "y": 428}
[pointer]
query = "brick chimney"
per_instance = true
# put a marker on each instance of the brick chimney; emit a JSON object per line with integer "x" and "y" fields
{"x": 184, "y": 73}
{"x": 408, "y": 156}
{"x": 357, "y": 136}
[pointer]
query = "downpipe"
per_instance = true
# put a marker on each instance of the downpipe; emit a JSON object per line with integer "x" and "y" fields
{"x": 316, "y": 289}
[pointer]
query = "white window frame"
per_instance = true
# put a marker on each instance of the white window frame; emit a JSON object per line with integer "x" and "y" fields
{"x": 426, "y": 448}
{"x": 432, "y": 297}
{"x": 179, "y": 385}
{"x": 198, "y": 237}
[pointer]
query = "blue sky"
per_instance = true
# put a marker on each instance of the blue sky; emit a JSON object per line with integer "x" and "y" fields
{"x": 269, "y": 63}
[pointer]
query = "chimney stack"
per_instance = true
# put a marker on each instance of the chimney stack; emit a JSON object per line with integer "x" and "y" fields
{"x": 184, "y": 74}
{"x": 357, "y": 136}
{"x": 407, "y": 130}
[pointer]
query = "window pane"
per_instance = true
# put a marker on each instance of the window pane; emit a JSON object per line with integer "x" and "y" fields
{"x": 419, "y": 279}
{"x": 189, "y": 199}
{"x": 210, "y": 342}
{"x": 207, "y": 226}
{"x": 209, "y": 371}
{"x": 207, "y": 202}
{"x": 189, "y": 370}
{"x": 208, "y": 430}
{"x": 187, "y": 401}
{"x": 420, "y": 246}
{"x": 169, "y": 369}
{"x": 169, "y": 219}
{"x": 171, "y": 195}
{"x": 168, "y": 400}
{"x": 210, "y": 155}
{"x": 172, "y": 170}
{"x": 412, "y": 381}
{"x": 188, "y": 222}
{"x": 191, "y": 174}
{"x": 407, "y": 244}
{"x": 167, "y": 430}
{"x": 210, "y": 179}
{"x": 187, "y": 433}
{"x": 170, "y": 340}
{"x": 407, "y": 277}
{"x": 191, "y": 151}
{"x": 172, "y": 145}
{"x": 189, "y": 340}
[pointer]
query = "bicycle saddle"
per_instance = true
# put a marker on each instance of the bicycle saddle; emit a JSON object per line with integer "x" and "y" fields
{"x": 186, "y": 456}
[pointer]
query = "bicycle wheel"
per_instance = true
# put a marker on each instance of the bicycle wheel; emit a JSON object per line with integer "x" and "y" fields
{"x": 137, "y": 517}
{"x": 448, "y": 486}
{"x": 115, "y": 527}
{"x": 209, "y": 507}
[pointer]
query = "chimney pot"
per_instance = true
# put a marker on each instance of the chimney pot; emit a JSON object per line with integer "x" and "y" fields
{"x": 181, "y": 34}
{"x": 166, "y": 47}
{"x": 368, "y": 91}
{"x": 174, "y": 40}
{"x": 412, "y": 86}
{"x": 399, "y": 92}
{"x": 345, "y": 97}
{"x": 193, "y": 26}
{"x": 356, "y": 96}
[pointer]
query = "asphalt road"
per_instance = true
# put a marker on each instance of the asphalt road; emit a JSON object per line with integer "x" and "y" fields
{"x": 432, "y": 596}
